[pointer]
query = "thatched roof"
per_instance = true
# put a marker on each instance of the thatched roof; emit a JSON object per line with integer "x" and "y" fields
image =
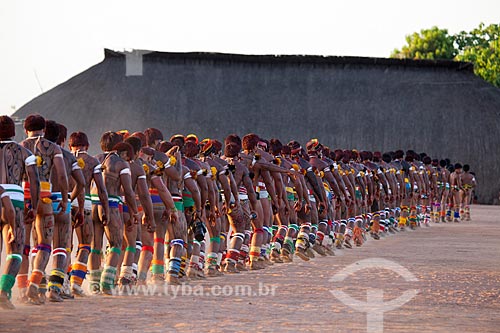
{"x": 439, "y": 107}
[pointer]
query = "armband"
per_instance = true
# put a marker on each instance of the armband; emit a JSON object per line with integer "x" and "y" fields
{"x": 98, "y": 168}
{"x": 125, "y": 171}
{"x": 30, "y": 160}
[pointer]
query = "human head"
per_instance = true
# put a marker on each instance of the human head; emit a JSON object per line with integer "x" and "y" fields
{"x": 34, "y": 122}
{"x": 217, "y": 147}
{"x": 153, "y": 136}
{"x": 63, "y": 134}
{"x": 399, "y": 154}
{"x": 275, "y": 146}
{"x": 177, "y": 140}
{"x": 51, "y": 132}
{"x": 231, "y": 150}
{"x": 165, "y": 146}
{"x": 313, "y": 147}
{"x": 286, "y": 151}
{"x": 125, "y": 151}
{"x": 190, "y": 149}
{"x": 466, "y": 168}
{"x": 109, "y": 140}
{"x": 207, "y": 147}
{"x": 295, "y": 147}
{"x": 135, "y": 142}
{"x": 192, "y": 137}
{"x": 233, "y": 138}
{"x": 263, "y": 144}
{"x": 78, "y": 141}
{"x": 386, "y": 157}
{"x": 141, "y": 136}
{"x": 250, "y": 141}
{"x": 7, "y": 128}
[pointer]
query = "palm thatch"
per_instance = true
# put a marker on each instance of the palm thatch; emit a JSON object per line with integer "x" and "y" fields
{"x": 437, "y": 107}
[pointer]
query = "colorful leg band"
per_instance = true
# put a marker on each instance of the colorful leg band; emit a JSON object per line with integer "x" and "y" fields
{"x": 46, "y": 247}
{"x": 182, "y": 270}
{"x": 108, "y": 277}
{"x": 174, "y": 266}
{"x": 130, "y": 249}
{"x": 212, "y": 259}
{"x": 84, "y": 247}
{"x": 78, "y": 273}
{"x": 22, "y": 281}
{"x": 6, "y": 283}
{"x": 240, "y": 236}
{"x": 14, "y": 256}
{"x": 148, "y": 248}
{"x": 312, "y": 238}
{"x": 320, "y": 236}
{"x": 56, "y": 279}
{"x": 95, "y": 279}
{"x": 36, "y": 277}
{"x": 42, "y": 288}
{"x": 116, "y": 250}
{"x": 59, "y": 252}
{"x": 157, "y": 266}
{"x": 178, "y": 242}
{"x": 232, "y": 255}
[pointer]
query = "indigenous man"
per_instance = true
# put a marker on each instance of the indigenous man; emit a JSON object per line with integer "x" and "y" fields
{"x": 306, "y": 237}
{"x": 16, "y": 163}
{"x": 7, "y": 231}
{"x": 158, "y": 206}
{"x": 456, "y": 187}
{"x": 49, "y": 159}
{"x": 62, "y": 234}
{"x": 91, "y": 168}
{"x": 117, "y": 177}
{"x": 239, "y": 215}
{"x": 468, "y": 185}
{"x": 170, "y": 168}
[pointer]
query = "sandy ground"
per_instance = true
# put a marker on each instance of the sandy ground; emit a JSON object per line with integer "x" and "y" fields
{"x": 457, "y": 267}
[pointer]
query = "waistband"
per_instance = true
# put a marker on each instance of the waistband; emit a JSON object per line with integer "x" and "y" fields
{"x": 87, "y": 205}
{"x": 56, "y": 198}
{"x": 15, "y": 193}
{"x": 45, "y": 190}
{"x": 179, "y": 205}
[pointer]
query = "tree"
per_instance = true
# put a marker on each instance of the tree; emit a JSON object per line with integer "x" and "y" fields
{"x": 481, "y": 46}
{"x": 431, "y": 44}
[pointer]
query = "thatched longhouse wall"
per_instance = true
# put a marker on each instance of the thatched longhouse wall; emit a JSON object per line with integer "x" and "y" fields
{"x": 440, "y": 108}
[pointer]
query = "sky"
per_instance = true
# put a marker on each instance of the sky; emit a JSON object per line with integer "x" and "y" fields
{"x": 44, "y": 43}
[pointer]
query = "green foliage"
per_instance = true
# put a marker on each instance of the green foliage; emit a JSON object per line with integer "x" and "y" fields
{"x": 430, "y": 44}
{"x": 481, "y": 46}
